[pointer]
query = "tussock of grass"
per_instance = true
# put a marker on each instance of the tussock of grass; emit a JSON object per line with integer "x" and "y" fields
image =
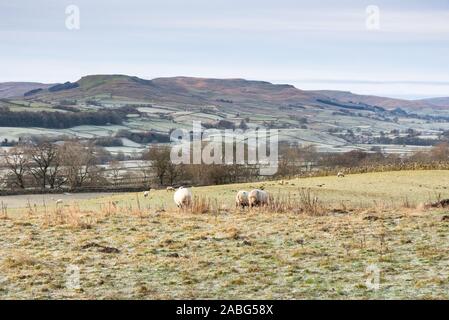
{"x": 17, "y": 260}
{"x": 3, "y": 211}
{"x": 71, "y": 216}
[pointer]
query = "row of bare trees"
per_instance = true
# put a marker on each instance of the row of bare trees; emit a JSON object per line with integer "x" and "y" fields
{"x": 49, "y": 166}
{"x": 75, "y": 165}
{"x": 167, "y": 173}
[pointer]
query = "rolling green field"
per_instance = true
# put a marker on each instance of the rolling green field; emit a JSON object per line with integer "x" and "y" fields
{"x": 125, "y": 246}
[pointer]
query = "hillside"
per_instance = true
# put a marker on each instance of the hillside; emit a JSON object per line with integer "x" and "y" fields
{"x": 387, "y": 103}
{"x": 331, "y": 120}
{"x": 181, "y": 91}
{"x": 203, "y": 91}
{"x": 442, "y": 102}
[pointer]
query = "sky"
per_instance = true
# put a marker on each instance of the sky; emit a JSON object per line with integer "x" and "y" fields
{"x": 382, "y": 47}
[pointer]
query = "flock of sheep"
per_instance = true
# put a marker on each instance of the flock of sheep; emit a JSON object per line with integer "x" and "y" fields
{"x": 183, "y": 197}
{"x": 254, "y": 198}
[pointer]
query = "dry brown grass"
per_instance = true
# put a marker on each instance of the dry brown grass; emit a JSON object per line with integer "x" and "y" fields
{"x": 72, "y": 216}
{"x": 310, "y": 203}
{"x": 305, "y": 202}
{"x": 18, "y": 259}
{"x": 32, "y": 209}
{"x": 201, "y": 205}
{"x": 4, "y": 211}
{"x": 204, "y": 205}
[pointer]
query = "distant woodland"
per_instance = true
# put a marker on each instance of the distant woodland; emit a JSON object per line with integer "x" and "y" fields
{"x": 59, "y": 120}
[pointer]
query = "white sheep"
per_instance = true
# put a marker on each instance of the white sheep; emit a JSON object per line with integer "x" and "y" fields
{"x": 257, "y": 198}
{"x": 183, "y": 198}
{"x": 241, "y": 199}
{"x": 340, "y": 174}
{"x": 170, "y": 189}
{"x": 58, "y": 202}
{"x": 146, "y": 194}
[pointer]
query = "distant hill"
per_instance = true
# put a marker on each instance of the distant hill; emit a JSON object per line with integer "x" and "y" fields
{"x": 14, "y": 89}
{"x": 387, "y": 103}
{"x": 442, "y": 102}
{"x": 181, "y": 91}
{"x": 203, "y": 91}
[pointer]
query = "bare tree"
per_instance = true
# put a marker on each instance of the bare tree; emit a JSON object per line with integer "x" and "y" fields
{"x": 440, "y": 152}
{"x": 174, "y": 172}
{"x": 17, "y": 163}
{"x": 145, "y": 172}
{"x": 115, "y": 168}
{"x": 44, "y": 164}
{"x": 79, "y": 163}
{"x": 160, "y": 159}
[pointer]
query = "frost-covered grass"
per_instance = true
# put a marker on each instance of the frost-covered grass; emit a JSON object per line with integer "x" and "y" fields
{"x": 161, "y": 255}
{"x": 125, "y": 246}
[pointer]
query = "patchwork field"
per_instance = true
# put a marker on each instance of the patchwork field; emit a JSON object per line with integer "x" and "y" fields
{"x": 125, "y": 246}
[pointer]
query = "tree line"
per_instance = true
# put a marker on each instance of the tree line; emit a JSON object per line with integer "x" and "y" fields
{"x": 59, "y": 120}
{"x": 50, "y": 166}
{"x": 74, "y": 165}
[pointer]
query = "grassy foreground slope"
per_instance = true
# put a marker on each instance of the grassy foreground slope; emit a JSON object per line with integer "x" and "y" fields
{"x": 122, "y": 252}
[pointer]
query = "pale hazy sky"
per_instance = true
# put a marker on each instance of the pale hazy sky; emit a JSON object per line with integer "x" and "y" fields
{"x": 310, "y": 44}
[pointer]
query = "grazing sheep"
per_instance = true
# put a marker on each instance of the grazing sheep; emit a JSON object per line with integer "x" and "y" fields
{"x": 183, "y": 198}
{"x": 146, "y": 194}
{"x": 257, "y": 198}
{"x": 58, "y": 202}
{"x": 340, "y": 174}
{"x": 170, "y": 189}
{"x": 241, "y": 199}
